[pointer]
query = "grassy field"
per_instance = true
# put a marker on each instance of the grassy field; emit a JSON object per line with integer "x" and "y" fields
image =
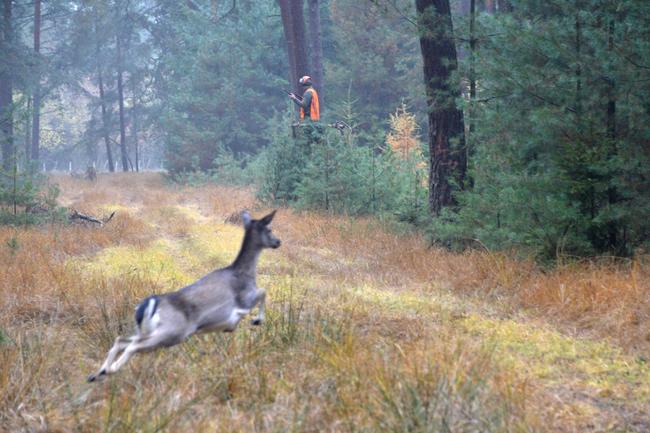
{"x": 366, "y": 330}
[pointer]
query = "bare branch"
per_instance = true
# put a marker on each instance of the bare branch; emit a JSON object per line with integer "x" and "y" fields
{"x": 77, "y": 216}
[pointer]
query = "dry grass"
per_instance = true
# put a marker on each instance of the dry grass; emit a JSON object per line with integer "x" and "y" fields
{"x": 607, "y": 298}
{"x": 366, "y": 331}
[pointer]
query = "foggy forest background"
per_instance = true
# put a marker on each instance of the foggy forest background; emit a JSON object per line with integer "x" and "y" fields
{"x": 518, "y": 124}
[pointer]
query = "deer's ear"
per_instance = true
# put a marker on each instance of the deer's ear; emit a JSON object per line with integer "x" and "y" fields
{"x": 246, "y": 218}
{"x": 267, "y": 219}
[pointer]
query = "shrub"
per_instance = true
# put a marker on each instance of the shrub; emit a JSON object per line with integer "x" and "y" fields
{"x": 27, "y": 198}
{"x": 336, "y": 174}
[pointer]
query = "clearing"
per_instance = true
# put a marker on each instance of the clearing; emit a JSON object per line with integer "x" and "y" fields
{"x": 366, "y": 330}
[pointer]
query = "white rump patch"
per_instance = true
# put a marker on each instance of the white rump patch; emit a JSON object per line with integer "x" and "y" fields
{"x": 150, "y": 322}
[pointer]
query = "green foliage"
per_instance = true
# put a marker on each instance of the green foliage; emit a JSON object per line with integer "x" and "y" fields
{"x": 26, "y": 198}
{"x": 560, "y": 162}
{"x": 221, "y": 89}
{"x": 335, "y": 177}
{"x": 326, "y": 169}
{"x": 346, "y": 178}
{"x": 558, "y": 132}
{"x": 227, "y": 170}
{"x": 4, "y": 338}
{"x": 374, "y": 59}
{"x": 282, "y": 162}
{"x": 13, "y": 245}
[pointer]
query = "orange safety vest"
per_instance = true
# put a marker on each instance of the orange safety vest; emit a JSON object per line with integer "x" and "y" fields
{"x": 314, "y": 109}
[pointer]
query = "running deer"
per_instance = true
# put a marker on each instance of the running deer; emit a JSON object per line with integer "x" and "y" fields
{"x": 216, "y": 302}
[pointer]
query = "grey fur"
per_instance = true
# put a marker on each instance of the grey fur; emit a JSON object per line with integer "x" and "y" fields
{"x": 216, "y": 302}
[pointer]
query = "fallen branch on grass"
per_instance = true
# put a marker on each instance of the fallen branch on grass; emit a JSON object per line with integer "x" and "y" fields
{"x": 77, "y": 216}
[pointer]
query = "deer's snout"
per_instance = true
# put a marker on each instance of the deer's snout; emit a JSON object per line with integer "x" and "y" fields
{"x": 276, "y": 243}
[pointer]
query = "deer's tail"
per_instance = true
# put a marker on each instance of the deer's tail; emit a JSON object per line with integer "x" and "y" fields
{"x": 146, "y": 318}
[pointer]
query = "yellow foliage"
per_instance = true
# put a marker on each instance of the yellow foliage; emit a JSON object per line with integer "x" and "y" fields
{"x": 403, "y": 135}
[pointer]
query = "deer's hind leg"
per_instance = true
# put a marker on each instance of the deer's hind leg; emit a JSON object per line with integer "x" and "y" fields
{"x": 147, "y": 343}
{"x": 120, "y": 344}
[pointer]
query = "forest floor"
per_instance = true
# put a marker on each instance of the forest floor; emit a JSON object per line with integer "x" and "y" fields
{"x": 367, "y": 329}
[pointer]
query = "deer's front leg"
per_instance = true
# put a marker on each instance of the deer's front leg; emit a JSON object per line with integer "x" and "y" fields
{"x": 260, "y": 301}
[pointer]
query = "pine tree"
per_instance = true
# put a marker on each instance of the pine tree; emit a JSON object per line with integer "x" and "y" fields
{"x": 561, "y": 128}
{"x": 6, "y": 88}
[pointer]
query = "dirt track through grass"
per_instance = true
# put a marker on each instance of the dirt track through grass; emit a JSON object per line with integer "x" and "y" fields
{"x": 367, "y": 330}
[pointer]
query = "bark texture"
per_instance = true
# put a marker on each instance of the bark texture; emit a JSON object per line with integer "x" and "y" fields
{"x": 36, "y": 114}
{"x": 293, "y": 22}
{"x": 6, "y": 91}
{"x": 287, "y": 26}
{"x": 102, "y": 100}
{"x": 120, "y": 97}
{"x": 134, "y": 127}
{"x": 448, "y": 160}
{"x": 105, "y": 122}
{"x": 316, "y": 45}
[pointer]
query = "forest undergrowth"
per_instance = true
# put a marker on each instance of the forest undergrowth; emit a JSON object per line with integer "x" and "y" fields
{"x": 367, "y": 330}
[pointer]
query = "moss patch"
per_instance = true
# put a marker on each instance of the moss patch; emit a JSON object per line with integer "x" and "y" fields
{"x": 156, "y": 262}
{"x": 534, "y": 351}
{"x": 546, "y": 354}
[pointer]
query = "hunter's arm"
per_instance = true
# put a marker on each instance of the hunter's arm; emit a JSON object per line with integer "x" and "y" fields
{"x": 306, "y": 100}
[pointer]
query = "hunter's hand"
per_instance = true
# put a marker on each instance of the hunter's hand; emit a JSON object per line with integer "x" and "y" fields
{"x": 292, "y": 96}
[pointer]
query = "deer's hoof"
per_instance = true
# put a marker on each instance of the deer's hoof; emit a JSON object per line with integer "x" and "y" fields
{"x": 256, "y": 322}
{"x": 94, "y": 377}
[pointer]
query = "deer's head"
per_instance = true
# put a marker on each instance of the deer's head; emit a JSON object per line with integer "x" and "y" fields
{"x": 260, "y": 231}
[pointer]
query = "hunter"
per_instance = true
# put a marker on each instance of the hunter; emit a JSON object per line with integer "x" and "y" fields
{"x": 309, "y": 106}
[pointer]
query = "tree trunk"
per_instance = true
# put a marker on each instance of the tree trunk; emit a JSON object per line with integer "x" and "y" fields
{"x": 287, "y": 25}
{"x": 107, "y": 140}
{"x": 298, "y": 17}
{"x": 490, "y": 6}
{"x": 611, "y": 89}
{"x": 448, "y": 159}
{"x": 102, "y": 100}
{"x": 6, "y": 92}
{"x": 470, "y": 142}
{"x": 28, "y": 134}
{"x": 578, "y": 71}
{"x": 120, "y": 97}
{"x": 134, "y": 129}
{"x": 213, "y": 11}
{"x": 293, "y": 21}
{"x": 105, "y": 126}
{"x": 464, "y": 7}
{"x": 36, "y": 122}
{"x": 316, "y": 44}
{"x": 505, "y": 6}
{"x": 472, "y": 70}
{"x": 612, "y": 193}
